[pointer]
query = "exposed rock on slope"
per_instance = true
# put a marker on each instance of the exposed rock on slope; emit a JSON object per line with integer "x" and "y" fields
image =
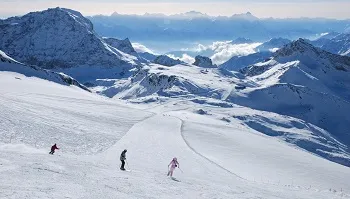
{"x": 204, "y": 62}
{"x": 166, "y": 61}
{"x": 122, "y": 45}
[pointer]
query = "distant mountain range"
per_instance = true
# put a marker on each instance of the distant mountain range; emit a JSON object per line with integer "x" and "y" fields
{"x": 196, "y": 26}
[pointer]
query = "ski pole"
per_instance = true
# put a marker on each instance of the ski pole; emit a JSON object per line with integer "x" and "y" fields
{"x": 127, "y": 164}
{"x": 180, "y": 169}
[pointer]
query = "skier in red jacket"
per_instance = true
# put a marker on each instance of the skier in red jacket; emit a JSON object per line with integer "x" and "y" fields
{"x": 53, "y": 148}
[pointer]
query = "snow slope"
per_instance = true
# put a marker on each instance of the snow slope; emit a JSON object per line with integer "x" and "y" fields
{"x": 91, "y": 131}
{"x": 9, "y": 64}
{"x": 216, "y": 86}
{"x": 307, "y": 83}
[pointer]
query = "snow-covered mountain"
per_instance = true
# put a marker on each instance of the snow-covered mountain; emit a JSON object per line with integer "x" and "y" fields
{"x": 61, "y": 39}
{"x": 307, "y": 83}
{"x": 339, "y": 44}
{"x": 334, "y": 42}
{"x": 8, "y": 64}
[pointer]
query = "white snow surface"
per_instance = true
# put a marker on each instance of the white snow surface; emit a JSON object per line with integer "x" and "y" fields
{"x": 219, "y": 158}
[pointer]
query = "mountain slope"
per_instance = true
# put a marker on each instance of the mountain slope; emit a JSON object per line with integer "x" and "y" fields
{"x": 337, "y": 43}
{"x": 60, "y": 39}
{"x": 307, "y": 83}
{"x": 320, "y": 68}
{"x": 297, "y": 81}
{"x": 238, "y": 62}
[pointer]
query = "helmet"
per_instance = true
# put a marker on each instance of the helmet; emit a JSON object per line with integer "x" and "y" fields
{"x": 175, "y": 159}
{"x": 125, "y": 150}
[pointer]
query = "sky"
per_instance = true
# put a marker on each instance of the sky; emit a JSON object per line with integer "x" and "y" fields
{"x": 337, "y": 9}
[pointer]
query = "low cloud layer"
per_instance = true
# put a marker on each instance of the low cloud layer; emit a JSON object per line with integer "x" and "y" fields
{"x": 185, "y": 58}
{"x": 223, "y": 51}
{"x": 141, "y": 48}
{"x": 219, "y": 51}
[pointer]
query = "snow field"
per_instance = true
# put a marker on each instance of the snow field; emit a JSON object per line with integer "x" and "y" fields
{"x": 96, "y": 131}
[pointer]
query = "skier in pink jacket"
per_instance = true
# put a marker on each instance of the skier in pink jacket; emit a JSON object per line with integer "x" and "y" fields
{"x": 173, "y": 164}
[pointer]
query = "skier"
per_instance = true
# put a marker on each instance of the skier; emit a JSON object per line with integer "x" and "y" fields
{"x": 122, "y": 159}
{"x": 173, "y": 164}
{"x": 53, "y": 148}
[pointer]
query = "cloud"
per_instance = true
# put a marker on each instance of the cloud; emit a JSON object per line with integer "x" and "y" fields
{"x": 219, "y": 51}
{"x": 224, "y": 50}
{"x": 185, "y": 58}
{"x": 141, "y": 48}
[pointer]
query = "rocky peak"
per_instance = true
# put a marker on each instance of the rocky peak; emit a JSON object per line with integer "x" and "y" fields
{"x": 58, "y": 38}
{"x": 166, "y": 61}
{"x": 51, "y": 16}
{"x": 298, "y": 46}
{"x": 204, "y": 62}
{"x": 122, "y": 45}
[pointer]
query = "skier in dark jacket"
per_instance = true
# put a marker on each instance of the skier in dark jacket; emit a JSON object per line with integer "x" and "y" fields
{"x": 53, "y": 148}
{"x": 122, "y": 159}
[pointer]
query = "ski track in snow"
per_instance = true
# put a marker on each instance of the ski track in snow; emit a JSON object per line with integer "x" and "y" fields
{"x": 195, "y": 151}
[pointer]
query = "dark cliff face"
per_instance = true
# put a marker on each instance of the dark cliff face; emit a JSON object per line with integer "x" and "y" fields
{"x": 204, "y": 62}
